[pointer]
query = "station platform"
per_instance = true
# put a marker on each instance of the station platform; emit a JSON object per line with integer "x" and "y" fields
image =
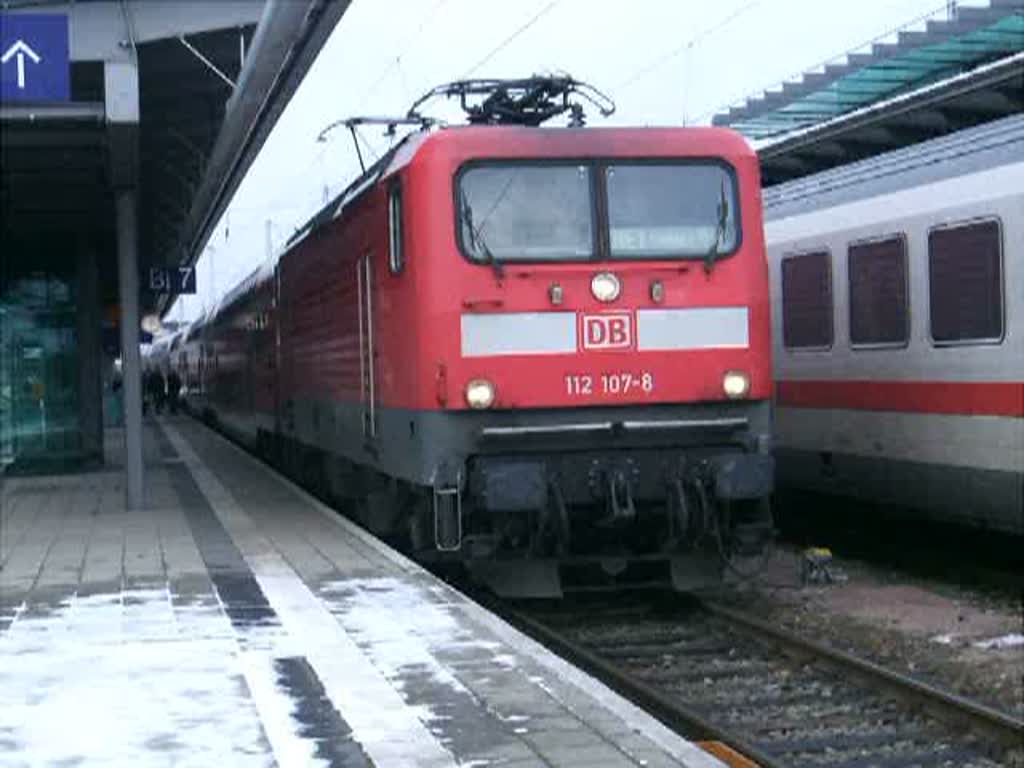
{"x": 238, "y": 621}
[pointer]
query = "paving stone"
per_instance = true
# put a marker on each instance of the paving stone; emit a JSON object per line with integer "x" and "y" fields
{"x": 173, "y": 589}
{"x": 586, "y": 756}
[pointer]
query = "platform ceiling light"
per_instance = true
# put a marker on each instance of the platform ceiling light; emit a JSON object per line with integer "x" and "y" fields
{"x": 605, "y": 286}
{"x": 152, "y": 324}
{"x": 735, "y": 384}
{"x": 480, "y": 394}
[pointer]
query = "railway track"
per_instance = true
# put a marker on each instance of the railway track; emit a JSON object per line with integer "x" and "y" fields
{"x": 781, "y": 700}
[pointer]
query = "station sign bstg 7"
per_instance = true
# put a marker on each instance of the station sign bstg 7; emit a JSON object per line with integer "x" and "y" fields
{"x": 177, "y": 280}
{"x": 34, "y": 59}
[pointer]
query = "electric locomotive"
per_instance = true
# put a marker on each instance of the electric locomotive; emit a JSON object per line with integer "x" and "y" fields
{"x": 541, "y": 353}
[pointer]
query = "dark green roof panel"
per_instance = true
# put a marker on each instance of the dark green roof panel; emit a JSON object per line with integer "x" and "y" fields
{"x": 974, "y": 36}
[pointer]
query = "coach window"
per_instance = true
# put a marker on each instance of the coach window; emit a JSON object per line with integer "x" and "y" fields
{"x": 878, "y": 293}
{"x": 965, "y": 283}
{"x": 396, "y": 259}
{"x": 807, "y": 301}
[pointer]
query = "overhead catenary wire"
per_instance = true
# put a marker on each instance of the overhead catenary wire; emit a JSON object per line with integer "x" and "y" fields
{"x": 403, "y": 49}
{"x": 659, "y": 60}
{"x": 317, "y": 160}
{"x": 396, "y": 62}
{"x": 508, "y": 40}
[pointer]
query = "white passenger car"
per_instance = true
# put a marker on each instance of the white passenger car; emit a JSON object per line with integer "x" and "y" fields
{"x": 898, "y": 324}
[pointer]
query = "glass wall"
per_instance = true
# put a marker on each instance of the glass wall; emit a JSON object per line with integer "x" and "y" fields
{"x": 39, "y": 367}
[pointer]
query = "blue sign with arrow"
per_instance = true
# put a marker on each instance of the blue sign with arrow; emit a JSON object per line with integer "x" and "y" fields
{"x": 34, "y": 59}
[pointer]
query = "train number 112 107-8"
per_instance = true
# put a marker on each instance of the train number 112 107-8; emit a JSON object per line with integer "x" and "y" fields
{"x": 615, "y": 383}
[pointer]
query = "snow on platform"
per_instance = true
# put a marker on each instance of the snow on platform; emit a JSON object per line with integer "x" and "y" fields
{"x": 237, "y": 621}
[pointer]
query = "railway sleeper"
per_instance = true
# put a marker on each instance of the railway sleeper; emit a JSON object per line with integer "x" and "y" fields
{"x": 756, "y": 695}
{"x": 849, "y": 713}
{"x": 954, "y": 757}
{"x": 702, "y": 674}
{"x": 800, "y": 743}
{"x": 642, "y": 651}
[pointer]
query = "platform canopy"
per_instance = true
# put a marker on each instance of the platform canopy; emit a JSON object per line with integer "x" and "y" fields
{"x": 968, "y": 38}
{"x": 125, "y": 128}
{"x": 172, "y": 98}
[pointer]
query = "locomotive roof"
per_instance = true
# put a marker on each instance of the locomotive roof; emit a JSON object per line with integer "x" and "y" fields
{"x": 197, "y": 326}
{"x": 500, "y": 141}
{"x": 511, "y": 141}
{"x": 259, "y": 275}
{"x": 352, "y": 192}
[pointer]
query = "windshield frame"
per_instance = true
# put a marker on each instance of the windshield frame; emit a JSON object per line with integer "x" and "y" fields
{"x": 597, "y": 167}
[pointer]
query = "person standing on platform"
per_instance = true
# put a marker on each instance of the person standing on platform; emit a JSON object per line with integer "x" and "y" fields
{"x": 157, "y": 390}
{"x": 173, "y": 390}
{"x": 147, "y": 388}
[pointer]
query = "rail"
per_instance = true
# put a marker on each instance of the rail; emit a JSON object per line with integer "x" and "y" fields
{"x": 779, "y": 699}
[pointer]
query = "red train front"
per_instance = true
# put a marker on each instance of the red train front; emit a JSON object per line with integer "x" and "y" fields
{"x": 530, "y": 350}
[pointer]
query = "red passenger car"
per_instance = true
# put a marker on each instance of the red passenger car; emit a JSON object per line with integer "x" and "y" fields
{"x": 518, "y": 346}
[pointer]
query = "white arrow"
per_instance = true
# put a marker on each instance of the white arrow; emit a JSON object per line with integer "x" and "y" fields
{"x": 21, "y": 50}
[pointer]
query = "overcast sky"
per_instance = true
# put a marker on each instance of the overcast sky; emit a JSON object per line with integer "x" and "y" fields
{"x": 664, "y": 62}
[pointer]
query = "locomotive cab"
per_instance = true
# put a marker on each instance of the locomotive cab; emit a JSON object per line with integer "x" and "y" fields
{"x": 596, "y": 374}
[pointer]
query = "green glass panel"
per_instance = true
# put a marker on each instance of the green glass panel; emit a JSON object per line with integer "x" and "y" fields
{"x": 39, "y": 369}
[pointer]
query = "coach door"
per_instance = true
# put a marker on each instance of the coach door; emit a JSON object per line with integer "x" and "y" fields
{"x": 274, "y": 362}
{"x": 368, "y": 388}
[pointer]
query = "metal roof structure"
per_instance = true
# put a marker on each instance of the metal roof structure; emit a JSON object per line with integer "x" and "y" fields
{"x": 990, "y": 92}
{"x": 970, "y": 37}
{"x": 173, "y": 98}
{"x": 118, "y": 155}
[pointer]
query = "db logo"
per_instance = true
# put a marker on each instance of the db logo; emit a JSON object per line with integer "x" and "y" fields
{"x": 608, "y": 331}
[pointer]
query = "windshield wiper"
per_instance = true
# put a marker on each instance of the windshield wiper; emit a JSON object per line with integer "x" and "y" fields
{"x": 496, "y": 265}
{"x": 723, "y": 219}
{"x": 477, "y": 242}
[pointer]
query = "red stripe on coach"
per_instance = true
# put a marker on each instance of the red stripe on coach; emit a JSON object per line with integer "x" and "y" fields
{"x": 953, "y": 397}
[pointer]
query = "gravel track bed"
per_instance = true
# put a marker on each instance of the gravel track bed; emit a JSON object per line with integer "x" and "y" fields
{"x": 793, "y": 707}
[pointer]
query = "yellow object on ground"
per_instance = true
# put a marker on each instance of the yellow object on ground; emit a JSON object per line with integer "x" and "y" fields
{"x": 727, "y": 755}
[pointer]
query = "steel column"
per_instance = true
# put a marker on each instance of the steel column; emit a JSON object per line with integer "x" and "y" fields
{"x": 131, "y": 368}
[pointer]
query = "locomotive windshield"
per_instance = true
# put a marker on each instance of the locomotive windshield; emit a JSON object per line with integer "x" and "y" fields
{"x": 523, "y": 212}
{"x": 682, "y": 210}
{"x": 526, "y": 213}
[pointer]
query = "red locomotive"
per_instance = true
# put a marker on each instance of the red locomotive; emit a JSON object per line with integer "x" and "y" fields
{"x": 523, "y": 349}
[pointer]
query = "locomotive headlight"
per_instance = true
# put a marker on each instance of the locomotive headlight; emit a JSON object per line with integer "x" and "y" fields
{"x": 735, "y": 384}
{"x": 480, "y": 394}
{"x": 605, "y": 286}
